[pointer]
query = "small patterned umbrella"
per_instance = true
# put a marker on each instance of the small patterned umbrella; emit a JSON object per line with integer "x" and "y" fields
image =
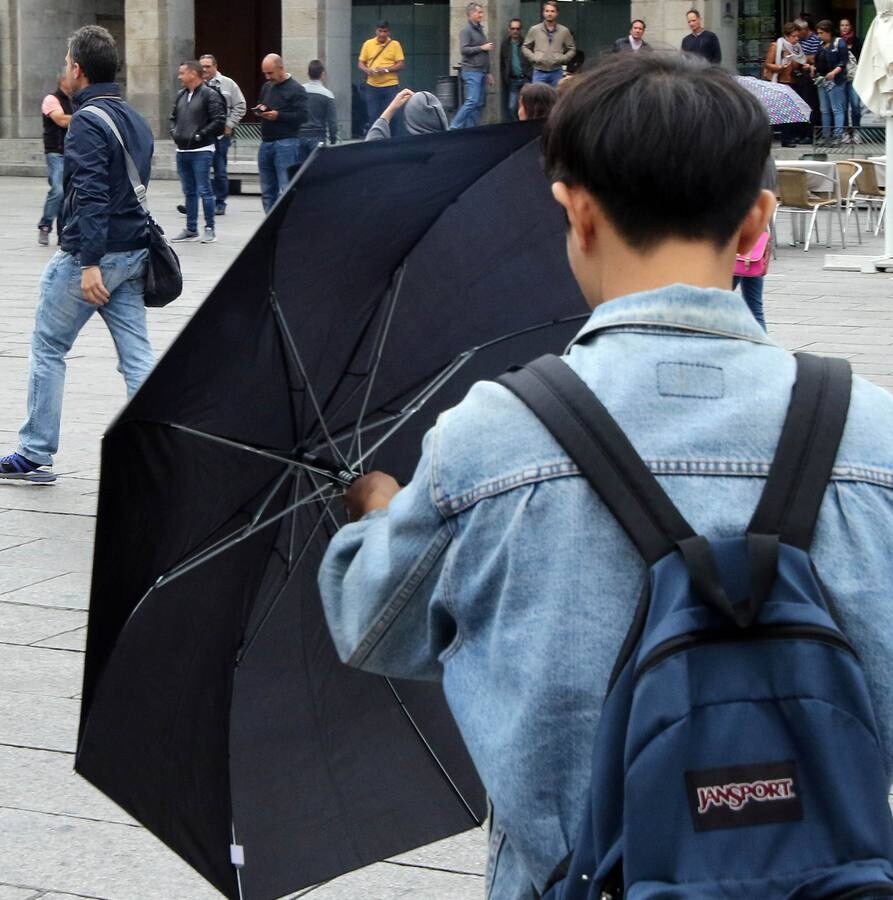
{"x": 783, "y": 104}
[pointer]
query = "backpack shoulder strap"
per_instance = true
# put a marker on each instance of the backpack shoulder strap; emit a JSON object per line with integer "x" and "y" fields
{"x": 810, "y": 438}
{"x": 595, "y": 442}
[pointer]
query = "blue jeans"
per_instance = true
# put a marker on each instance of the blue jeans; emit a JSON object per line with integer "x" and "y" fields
{"x": 475, "y": 97}
{"x": 194, "y": 170}
{"x": 512, "y": 93}
{"x": 752, "y": 292}
{"x": 273, "y": 162}
{"x": 832, "y": 104}
{"x": 306, "y": 146}
{"x": 548, "y": 77}
{"x": 53, "y": 202}
{"x": 61, "y": 314}
{"x": 377, "y": 99}
{"x": 853, "y": 105}
{"x": 221, "y": 181}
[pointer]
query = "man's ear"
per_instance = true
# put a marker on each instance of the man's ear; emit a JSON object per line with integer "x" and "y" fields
{"x": 756, "y": 221}
{"x": 580, "y": 211}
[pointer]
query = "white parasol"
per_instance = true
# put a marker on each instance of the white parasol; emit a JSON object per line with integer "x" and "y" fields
{"x": 874, "y": 84}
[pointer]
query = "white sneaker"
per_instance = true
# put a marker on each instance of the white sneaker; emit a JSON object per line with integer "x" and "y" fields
{"x": 857, "y": 138}
{"x": 208, "y": 235}
{"x": 846, "y": 138}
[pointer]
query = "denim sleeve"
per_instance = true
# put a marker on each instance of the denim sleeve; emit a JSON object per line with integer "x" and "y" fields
{"x": 378, "y": 580}
{"x": 88, "y": 154}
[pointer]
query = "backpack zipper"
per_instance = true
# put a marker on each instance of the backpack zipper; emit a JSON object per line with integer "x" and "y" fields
{"x": 733, "y": 635}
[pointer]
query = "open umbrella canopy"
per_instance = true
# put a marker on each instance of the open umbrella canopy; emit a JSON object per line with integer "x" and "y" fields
{"x": 783, "y": 104}
{"x": 387, "y": 279}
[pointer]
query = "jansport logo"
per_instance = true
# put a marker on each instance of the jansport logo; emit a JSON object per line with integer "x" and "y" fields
{"x": 737, "y": 796}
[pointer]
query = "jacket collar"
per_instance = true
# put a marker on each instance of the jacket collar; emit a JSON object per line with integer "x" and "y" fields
{"x": 678, "y": 307}
{"x": 91, "y": 91}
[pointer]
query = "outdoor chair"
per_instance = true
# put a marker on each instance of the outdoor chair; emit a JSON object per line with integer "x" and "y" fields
{"x": 848, "y": 172}
{"x": 796, "y": 199}
{"x": 870, "y": 192}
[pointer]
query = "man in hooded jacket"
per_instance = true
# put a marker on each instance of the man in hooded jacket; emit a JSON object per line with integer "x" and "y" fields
{"x": 422, "y": 114}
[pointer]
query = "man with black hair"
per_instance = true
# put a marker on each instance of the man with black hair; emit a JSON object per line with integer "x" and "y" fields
{"x": 497, "y": 569}
{"x": 635, "y": 40}
{"x": 56, "y": 112}
{"x": 701, "y": 42}
{"x": 197, "y": 120}
{"x": 514, "y": 67}
{"x": 322, "y": 119}
{"x": 101, "y": 266}
{"x": 381, "y": 59}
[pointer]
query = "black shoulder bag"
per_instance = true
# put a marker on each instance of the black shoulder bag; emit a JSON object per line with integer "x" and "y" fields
{"x": 164, "y": 280}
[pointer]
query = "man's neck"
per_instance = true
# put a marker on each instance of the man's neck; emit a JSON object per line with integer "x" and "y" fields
{"x": 699, "y": 31}
{"x": 550, "y": 26}
{"x": 675, "y": 261}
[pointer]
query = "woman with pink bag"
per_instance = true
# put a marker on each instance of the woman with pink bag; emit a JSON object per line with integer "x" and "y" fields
{"x": 750, "y": 267}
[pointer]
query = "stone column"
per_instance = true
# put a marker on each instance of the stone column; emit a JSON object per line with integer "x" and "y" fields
{"x": 496, "y": 19}
{"x": 320, "y": 29}
{"x": 9, "y": 73}
{"x": 160, "y": 35}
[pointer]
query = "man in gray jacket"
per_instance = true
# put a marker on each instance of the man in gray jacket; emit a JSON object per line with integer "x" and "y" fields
{"x": 549, "y": 46}
{"x": 235, "y": 112}
{"x": 474, "y": 49}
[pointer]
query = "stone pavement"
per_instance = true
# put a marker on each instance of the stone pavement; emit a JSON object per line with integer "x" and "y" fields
{"x": 58, "y": 836}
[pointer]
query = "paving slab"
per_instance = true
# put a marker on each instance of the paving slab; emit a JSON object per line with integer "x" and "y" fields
{"x": 32, "y": 624}
{"x": 69, "y": 591}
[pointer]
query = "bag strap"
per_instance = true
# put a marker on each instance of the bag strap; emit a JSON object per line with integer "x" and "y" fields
{"x": 382, "y": 50}
{"x": 790, "y": 503}
{"x": 595, "y": 442}
{"x": 132, "y": 173}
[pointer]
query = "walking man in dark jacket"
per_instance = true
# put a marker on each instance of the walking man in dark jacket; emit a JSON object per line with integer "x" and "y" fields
{"x": 514, "y": 68}
{"x": 101, "y": 266}
{"x": 474, "y": 48}
{"x": 283, "y": 110}
{"x": 198, "y": 117}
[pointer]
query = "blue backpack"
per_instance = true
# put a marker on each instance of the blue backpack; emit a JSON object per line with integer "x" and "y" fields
{"x": 737, "y": 754}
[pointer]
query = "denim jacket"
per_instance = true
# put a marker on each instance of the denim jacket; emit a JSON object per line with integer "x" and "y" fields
{"x": 498, "y": 570}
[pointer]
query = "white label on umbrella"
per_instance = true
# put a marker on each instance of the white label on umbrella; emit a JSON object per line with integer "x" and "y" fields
{"x": 237, "y": 854}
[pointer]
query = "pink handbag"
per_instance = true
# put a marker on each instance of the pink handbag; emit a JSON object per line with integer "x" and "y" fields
{"x": 756, "y": 263}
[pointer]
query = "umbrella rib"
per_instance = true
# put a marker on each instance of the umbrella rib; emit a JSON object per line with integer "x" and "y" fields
{"x": 296, "y": 358}
{"x": 437, "y": 382}
{"x": 430, "y": 750}
{"x": 258, "y": 451}
{"x": 380, "y": 341}
{"x": 246, "y": 645}
{"x": 235, "y": 538}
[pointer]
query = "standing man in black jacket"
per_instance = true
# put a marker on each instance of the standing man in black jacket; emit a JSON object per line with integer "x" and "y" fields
{"x": 514, "y": 68}
{"x": 283, "y": 110}
{"x": 101, "y": 265}
{"x": 198, "y": 117}
{"x": 701, "y": 42}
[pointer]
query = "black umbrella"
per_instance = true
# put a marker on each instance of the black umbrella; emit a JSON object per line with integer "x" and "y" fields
{"x": 389, "y": 278}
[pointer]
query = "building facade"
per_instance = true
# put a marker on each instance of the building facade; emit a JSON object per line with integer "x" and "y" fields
{"x": 154, "y": 36}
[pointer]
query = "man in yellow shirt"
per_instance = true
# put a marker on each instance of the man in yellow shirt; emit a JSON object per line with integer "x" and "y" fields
{"x": 381, "y": 58}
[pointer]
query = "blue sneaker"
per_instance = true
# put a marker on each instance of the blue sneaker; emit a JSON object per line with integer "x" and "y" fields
{"x": 16, "y": 468}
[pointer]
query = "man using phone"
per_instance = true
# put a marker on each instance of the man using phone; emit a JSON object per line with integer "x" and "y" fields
{"x": 282, "y": 110}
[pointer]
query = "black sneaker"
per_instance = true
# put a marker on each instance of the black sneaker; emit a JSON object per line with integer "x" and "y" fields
{"x": 16, "y": 468}
{"x": 181, "y": 209}
{"x": 220, "y": 211}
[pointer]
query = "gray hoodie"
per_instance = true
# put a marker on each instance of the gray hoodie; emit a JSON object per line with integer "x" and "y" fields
{"x": 423, "y": 114}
